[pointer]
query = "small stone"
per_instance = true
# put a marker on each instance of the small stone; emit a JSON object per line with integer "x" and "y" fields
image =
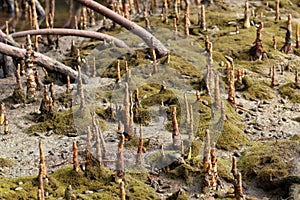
{"x": 20, "y": 183}
{"x": 253, "y": 114}
{"x": 261, "y": 106}
{"x": 15, "y": 106}
{"x": 260, "y": 110}
{"x": 284, "y": 119}
{"x": 49, "y": 133}
{"x": 18, "y": 189}
{"x": 265, "y": 102}
{"x": 282, "y": 101}
{"x": 36, "y": 134}
{"x": 253, "y": 99}
{"x": 88, "y": 192}
{"x": 240, "y": 112}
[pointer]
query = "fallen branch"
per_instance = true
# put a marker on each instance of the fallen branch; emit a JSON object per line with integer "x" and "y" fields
{"x": 7, "y": 39}
{"x": 41, "y": 60}
{"x": 72, "y": 32}
{"x": 131, "y": 26}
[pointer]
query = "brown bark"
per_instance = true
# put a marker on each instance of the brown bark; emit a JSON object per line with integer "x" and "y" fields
{"x": 68, "y": 85}
{"x": 43, "y": 170}
{"x": 41, "y": 60}
{"x": 52, "y": 91}
{"x": 118, "y": 80}
{"x": 133, "y": 27}
{"x": 203, "y": 19}
{"x": 239, "y": 195}
{"x": 41, "y": 184}
{"x": 2, "y": 113}
{"x": 131, "y": 122}
{"x": 122, "y": 191}
{"x": 246, "y": 15}
{"x": 277, "y": 12}
{"x": 233, "y": 168}
{"x": 120, "y": 160}
{"x": 175, "y": 133}
{"x": 73, "y": 32}
{"x": 18, "y": 77}
{"x": 75, "y": 157}
{"x": 5, "y": 125}
{"x": 126, "y": 115}
{"x": 273, "y": 77}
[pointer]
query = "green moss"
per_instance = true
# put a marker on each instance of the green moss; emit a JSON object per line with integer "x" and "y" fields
{"x": 63, "y": 123}
{"x": 179, "y": 195}
{"x": 228, "y": 134}
{"x": 6, "y": 162}
{"x": 224, "y": 168}
{"x": 267, "y": 161}
{"x": 295, "y": 138}
{"x": 232, "y": 137}
{"x": 259, "y": 90}
{"x": 291, "y": 91}
{"x": 99, "y": 180}
{"x": 185, "y": 171}
{"x": 134, "y": 143}
{"x": 196, "y": 147}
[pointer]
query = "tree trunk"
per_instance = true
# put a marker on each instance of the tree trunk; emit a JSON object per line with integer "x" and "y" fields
{"x": 41, "y": 60}
{"x": 133, "y": 27}
{"x": 72, "y": 32}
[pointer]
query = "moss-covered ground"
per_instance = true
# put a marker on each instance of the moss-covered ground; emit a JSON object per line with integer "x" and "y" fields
{"x": 185, "y": 73}
{"x": 268, "y": 161}
{"x": 99, "y": 180}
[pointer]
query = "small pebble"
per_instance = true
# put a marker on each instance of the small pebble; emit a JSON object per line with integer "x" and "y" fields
{"x": 88, "y": 192}
{"x": 18, "y": 189}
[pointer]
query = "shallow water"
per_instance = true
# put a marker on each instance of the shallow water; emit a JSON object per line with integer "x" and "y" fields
{"x": 21, "y": 22}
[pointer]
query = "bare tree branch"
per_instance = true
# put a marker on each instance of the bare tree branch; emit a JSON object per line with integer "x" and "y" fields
{"x": 133, "y": 27}
{"x": 41, "y": 60}
{"x": 72, "y": 32}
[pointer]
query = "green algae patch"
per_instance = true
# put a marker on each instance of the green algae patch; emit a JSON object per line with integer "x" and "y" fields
{"x": 99, "y": 180}
{"x": 271, "y": 160}
{"x": 6, "y": 162}
{"x": 63, "y": 123}
{"x": 191, "y": 170}
{"x": 11, "y": 189}
{"x": 290, "y": 90}
{"x": 227, "y": 134}
{"x": 259, "y": 89}
{"x": 224, "y": 168}
{"x": 179, "y": 195}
